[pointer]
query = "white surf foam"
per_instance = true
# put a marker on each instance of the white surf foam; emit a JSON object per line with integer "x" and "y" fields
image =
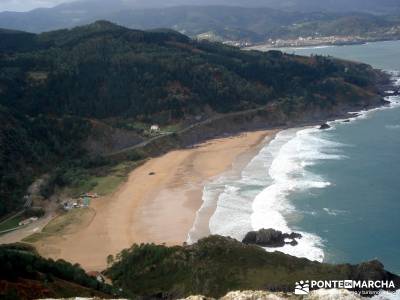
{"x": 293, "y": 151}
{"x": 309, "y": 47}
{"x": 393, "y": 127}
{"x": 211, "y": 191}
{"x": 233, "y": 212}
{"x": 334, "y": 212}
{"x": 231, "y": 196}
{"x": 258, "y": 198}
{"x": 394, "y": 101}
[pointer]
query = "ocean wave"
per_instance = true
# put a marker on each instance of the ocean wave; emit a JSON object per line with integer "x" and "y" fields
{"x": 259, "y": 196}
{"x": 310, "y": 47}
{"x": 393, "y": 127}
{"x": 293, "y": 151}
{"x": 231, "y": 196}
{"x": 233, "y": 211}
{"x": 211, "y": 191}
{"x": 394, "y": 101}
{"x": 334, "y": 212}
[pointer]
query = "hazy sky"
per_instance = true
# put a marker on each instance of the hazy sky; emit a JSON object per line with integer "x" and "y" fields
{"x": 24, "y": 5}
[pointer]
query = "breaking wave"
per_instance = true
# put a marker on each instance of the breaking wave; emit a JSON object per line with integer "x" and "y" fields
{"x": 258, "y": 196}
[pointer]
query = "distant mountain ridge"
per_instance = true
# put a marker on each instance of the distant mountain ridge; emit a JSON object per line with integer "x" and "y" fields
{"x": 254, "y": 20}
{"x": 372, "y": 6}
{"x": 257, "y": 25}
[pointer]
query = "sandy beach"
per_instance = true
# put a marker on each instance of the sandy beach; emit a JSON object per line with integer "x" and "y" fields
{"x": 157, "y": 204}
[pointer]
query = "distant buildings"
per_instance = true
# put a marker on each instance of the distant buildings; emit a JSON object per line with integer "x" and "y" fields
{"x": 314, "y": 40}
{"x": 239, "y": 44}
{"x": 82, "y": 202}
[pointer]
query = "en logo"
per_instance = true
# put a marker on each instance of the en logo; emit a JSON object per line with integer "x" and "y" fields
{"x": 302, "y": 287}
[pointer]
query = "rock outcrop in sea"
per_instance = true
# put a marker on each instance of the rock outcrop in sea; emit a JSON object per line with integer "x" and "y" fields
{"x": 324, "y": 126}
{"x": 271, "y": 238}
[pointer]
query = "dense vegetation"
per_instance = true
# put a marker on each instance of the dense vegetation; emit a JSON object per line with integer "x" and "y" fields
{"x": 216, "y": 265}
{"x": 55, "y": 86}
{"x": 30, "y": 146}
{"x": 103, "y": 70}
{"x": 26, "y": 275}
{"x": 151, "y": 271}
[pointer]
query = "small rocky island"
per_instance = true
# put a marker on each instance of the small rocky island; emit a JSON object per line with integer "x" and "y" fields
{"x": 324, "y": 126}
{"x": 271, "y": 238}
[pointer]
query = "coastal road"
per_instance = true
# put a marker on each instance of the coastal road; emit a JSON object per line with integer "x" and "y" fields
{"x": 207, "y": 121}
{"x": 18, "y": 235}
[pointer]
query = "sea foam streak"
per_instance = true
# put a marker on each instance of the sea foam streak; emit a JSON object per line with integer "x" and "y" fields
{"x": 258, "y": 197}
{"x": 293, "y": 150}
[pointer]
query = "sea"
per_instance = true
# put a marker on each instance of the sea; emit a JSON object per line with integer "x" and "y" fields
{"x": 339, "y": 188}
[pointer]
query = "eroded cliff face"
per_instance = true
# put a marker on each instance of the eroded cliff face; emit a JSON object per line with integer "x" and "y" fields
{"x": 332, "y": 294}
{"x": 315, "y": 295}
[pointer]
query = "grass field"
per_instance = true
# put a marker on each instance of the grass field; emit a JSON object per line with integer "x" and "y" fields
{"x": 65, "y": 223}
{"x": 11, "y": 223}
{"x": 101, "y": 184}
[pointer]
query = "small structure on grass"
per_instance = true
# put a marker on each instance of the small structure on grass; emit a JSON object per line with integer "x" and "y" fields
{"x": 82, "y": 202}
{"x": 90, "y": 195}
{"x": 85, "y": 201}
{"x": 27, "y": 221}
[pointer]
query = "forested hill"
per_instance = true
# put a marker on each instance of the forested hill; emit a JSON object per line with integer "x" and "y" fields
{"x": 103, "y": 70}
{"x": 26, "y": 275}
{"x": 54, "y": 85}
{"x": 216, "y": 265}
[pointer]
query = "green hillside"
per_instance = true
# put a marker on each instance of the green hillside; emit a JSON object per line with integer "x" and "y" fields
{"x": 216, "y": 265}
{"x": 26, "y": 275}
{"x": 212, "y": 267}
{"x": 57, "y": 86}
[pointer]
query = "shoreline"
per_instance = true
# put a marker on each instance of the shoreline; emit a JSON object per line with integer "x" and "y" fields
{"x": 200, "y": 228}
{"x": 122, "y": 220}
{"x": 153, "y": 208}
{"x": 268, "y": 47}
{"x": 115, "y": 226}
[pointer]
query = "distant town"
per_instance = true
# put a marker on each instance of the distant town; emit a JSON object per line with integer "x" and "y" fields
{"x": 323, "y": 40}
{"x": 317, "y": 39}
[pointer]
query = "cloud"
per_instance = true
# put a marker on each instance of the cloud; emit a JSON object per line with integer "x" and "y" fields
{"x": 25, "y": 5}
